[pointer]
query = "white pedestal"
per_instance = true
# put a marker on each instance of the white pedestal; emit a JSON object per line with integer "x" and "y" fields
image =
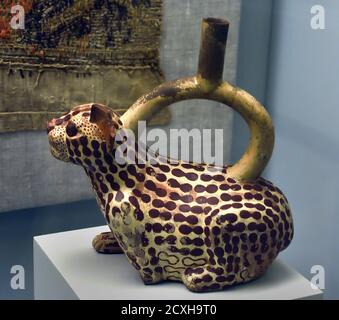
{"x": 67, "y": 267}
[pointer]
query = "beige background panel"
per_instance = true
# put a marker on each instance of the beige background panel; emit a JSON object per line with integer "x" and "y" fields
{"x": 29, "y": 98}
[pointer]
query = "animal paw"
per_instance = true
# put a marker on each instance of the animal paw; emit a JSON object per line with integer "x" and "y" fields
{"x": 106, "y": 243}
{"x": 203, "y": 280}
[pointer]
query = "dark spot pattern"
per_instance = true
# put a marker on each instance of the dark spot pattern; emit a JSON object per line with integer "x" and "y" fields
{"x": 176, "y": 220}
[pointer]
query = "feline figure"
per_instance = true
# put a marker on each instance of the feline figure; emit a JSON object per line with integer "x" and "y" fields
{"x": 179, "y": 221}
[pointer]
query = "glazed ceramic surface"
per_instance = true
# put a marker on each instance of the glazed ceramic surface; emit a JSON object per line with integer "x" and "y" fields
{"x": 209, "y": 227}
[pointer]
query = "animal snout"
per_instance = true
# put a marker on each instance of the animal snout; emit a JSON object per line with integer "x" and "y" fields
{"x": 50, "y": 126}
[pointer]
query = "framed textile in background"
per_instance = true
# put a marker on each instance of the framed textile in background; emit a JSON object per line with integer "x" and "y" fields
{"x": 76, "y": 51}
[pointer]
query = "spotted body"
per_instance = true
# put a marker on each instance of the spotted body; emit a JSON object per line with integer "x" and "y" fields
{"x": 174, "y": 220}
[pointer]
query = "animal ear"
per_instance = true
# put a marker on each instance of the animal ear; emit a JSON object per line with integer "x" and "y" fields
{"x": 102, "y": 117}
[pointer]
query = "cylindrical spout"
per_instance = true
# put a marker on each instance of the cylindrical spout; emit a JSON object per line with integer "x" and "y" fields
{"x": 212, "y": 50}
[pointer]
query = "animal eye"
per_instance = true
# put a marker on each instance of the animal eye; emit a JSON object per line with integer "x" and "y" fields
{"x": 66, "y": 118}
{"x": 71, "y": 129}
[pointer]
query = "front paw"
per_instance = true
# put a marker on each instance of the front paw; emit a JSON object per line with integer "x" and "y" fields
{"x": 106, "y": 243}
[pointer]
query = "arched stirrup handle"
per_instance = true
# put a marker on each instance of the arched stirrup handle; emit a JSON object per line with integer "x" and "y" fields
{"x": 208, "y": 85}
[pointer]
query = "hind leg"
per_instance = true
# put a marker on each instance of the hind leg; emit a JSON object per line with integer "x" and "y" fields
{"x": 106, "y": 243}
{"x": 206, "y": 278}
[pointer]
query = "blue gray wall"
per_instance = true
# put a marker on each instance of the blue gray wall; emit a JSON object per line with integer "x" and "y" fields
{"x": 302, "y": 97}
{"x": 253, "y": 51}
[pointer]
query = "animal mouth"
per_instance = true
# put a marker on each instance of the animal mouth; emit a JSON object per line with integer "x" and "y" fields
{"x": 53, "y": 144}
{"x": 60, "y": 155}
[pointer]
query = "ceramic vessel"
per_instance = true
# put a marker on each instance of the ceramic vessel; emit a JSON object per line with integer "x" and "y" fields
{"x": 206, "y": 226}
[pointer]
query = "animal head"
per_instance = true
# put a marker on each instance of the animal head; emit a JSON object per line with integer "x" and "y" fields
{"x": 80, "y": 133}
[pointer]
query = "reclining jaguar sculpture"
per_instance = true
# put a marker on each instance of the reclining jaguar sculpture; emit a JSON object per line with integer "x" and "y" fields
{"x": 209, "y": 227}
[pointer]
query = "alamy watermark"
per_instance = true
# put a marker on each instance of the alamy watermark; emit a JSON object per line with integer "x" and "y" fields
{"x": 318, "y": 279}
{"x": 12, "y": 16}
{"x": 18, "y": 17}
{"x": 178, "y": 141}
{"x": 318, "y": 17}
{"x": 17, "y": 281}
{"x": 317, "y": 20}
